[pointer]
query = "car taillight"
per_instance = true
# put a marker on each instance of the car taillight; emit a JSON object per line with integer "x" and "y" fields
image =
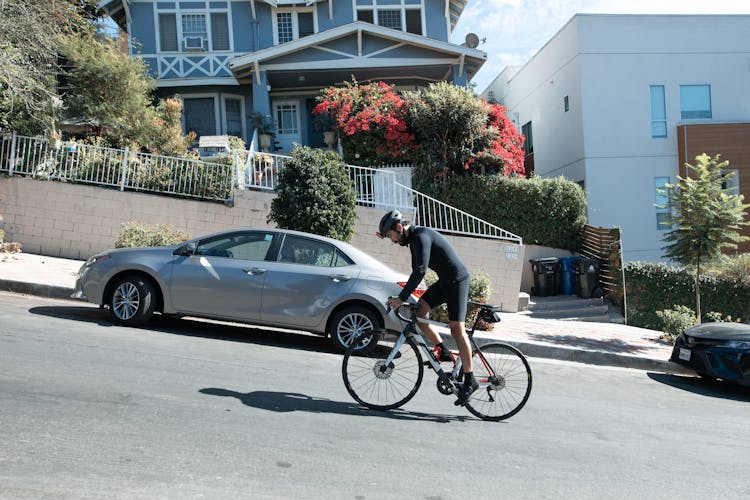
{"x": 418, "y": 292}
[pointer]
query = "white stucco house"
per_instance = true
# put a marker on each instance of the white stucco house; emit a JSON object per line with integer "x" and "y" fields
{"x": 618, "y": 103}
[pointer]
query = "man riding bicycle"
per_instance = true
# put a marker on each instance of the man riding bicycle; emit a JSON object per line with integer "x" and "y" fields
{"x": 430, "y": 249}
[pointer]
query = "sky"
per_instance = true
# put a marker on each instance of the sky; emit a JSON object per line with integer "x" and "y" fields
{"x": 514, "y": 30}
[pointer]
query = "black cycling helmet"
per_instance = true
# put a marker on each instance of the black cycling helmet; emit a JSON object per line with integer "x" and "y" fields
{"x": 388, "y": 221}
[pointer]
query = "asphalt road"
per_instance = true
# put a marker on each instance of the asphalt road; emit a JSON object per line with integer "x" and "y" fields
{"x": 189, "y": 409}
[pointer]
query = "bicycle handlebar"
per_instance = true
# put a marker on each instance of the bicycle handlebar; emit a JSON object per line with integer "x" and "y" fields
{"x": 408, "y": 305}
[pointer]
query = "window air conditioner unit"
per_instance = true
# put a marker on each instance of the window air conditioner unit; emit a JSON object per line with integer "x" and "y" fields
{"x": 194, "y": 43}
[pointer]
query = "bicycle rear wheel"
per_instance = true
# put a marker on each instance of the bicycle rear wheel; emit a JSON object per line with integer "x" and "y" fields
{"x": 377, "y": 386}
{"x": 504, "y": 378}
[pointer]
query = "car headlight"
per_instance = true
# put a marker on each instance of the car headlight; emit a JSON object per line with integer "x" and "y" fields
{"x": 737, "y": 344}
{"x": 97, "y": 259}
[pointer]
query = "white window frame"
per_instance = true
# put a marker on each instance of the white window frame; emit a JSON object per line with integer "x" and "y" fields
{"x": 402, "y": 6}
{"x": 295, "y": 11}
{"x": 660, "y": 210}
{"x": 654, "y": 119}
{"x": 206, "y": 13}
{"x": 243, "y": 118}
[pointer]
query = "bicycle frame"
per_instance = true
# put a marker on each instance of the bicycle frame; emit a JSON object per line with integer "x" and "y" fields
{"x": 412, "y": 331}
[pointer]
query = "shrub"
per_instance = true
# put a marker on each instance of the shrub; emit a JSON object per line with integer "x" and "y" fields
{"x": 140, "y": 234}
{"x": 548, "y": 212}
{"x": 315, "y": 195}
{"x": 479, "y": 291}
{"x": 675, "y": 321}
{"x": 655, "y": 286}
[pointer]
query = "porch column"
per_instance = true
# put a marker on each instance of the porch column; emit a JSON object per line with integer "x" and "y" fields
{"x": 261, "y": 101}
{"x": 459, "y": 75}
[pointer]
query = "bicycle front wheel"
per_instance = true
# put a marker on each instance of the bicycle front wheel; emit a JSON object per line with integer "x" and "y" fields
{"x": 380, "y": 386}
{"x": 504, "y": 378}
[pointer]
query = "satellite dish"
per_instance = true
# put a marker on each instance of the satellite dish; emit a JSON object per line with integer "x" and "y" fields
{"x": 472, "y": 40}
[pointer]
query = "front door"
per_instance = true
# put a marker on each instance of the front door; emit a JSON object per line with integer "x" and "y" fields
{"x": 287, "y": 120}
{"x": 224, "y": 277}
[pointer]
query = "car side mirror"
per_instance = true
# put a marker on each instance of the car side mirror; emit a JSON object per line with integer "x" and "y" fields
{"x": 185, "y": 250}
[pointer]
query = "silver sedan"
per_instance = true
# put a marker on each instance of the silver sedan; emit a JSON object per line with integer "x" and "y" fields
{"x": 273, "y": 277}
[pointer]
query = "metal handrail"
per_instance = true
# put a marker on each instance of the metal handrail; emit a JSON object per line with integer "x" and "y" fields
{"x": 380, "y": 188}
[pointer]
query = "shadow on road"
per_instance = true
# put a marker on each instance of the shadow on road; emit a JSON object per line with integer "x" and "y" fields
{"x": 704, "y": 387}
{"x": 194, "y": 327}
{"x": 284, "y": 402}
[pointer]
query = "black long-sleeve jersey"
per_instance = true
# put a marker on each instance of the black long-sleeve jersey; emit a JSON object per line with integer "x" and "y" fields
{"x": 430, "y": 249}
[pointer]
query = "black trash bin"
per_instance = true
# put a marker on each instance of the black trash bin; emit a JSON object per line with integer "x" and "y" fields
{"x": 546, "y": 276}
{"x": 587, "y": 277}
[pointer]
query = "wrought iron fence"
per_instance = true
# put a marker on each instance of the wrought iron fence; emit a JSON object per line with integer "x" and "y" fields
{"x": 121, "y": 169}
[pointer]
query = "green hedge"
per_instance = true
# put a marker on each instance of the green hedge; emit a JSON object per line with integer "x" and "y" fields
{"x": 654, "y": 287}
{"x": 548, "y": 212}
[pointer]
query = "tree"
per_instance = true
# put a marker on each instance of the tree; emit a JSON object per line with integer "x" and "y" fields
{"x": 109, "y": 88}
{"x": 29, "y": 35}
{"x": 315, "y": 195}
{"x": 706, "y": 218}
{"x": 462, "y": 135}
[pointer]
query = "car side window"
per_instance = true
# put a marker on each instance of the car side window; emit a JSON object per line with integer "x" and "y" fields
{"x": 242, "y": 246}
{"x": 297, "y": 250}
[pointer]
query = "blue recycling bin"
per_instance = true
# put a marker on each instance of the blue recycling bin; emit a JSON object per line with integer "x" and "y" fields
{"x": 567, "y": 274}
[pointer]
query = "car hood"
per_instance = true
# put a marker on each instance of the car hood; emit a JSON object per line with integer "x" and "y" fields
{"x": 720, "y": 331}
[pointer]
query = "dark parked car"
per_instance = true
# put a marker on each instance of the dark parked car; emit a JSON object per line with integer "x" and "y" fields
{"x": 716, "y": 351}
{"x": 272, "y": 277}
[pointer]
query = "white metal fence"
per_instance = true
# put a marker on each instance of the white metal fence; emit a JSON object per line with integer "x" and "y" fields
{"x": 117, "y": 168}
{"x": 385, "y": 188}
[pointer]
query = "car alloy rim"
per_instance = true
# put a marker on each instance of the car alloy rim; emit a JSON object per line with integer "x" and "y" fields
{"x": 126, "y": 301}
{"x": 353, "y": 325}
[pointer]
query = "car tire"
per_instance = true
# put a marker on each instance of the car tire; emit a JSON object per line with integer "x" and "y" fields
{"x": 133, "y": 301}
{"x": 352, "y": 321}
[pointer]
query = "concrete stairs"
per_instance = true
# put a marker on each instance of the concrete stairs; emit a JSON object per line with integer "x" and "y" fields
{"x": 573, "y": 308}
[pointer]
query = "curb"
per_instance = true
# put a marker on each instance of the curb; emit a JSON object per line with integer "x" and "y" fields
{"x": 530, "y": 349}
{"x": 38, "y": 289}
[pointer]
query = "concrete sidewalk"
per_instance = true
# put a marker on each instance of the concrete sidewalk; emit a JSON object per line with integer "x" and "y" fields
{"x": 584, "y": 342}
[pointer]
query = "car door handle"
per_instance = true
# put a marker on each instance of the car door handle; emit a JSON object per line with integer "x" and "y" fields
{"x": 337, "y": 278}
{"x": 255, "y": 271}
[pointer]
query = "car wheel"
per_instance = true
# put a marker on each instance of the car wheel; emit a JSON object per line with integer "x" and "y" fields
{"x": 351, "y": 322}
{"x": 133, "y": 301}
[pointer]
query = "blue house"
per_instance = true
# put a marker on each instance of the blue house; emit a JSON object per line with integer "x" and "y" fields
{"x": 229, "y": 59}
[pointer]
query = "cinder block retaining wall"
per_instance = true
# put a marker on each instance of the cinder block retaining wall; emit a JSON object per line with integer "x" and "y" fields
{"x": 75, "y": 221}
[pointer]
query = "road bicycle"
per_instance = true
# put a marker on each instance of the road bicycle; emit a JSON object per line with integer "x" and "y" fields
{"x": 384, "y": 372}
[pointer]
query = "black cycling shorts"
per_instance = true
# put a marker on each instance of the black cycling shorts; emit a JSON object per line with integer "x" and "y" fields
{"x": 453, "y": 293}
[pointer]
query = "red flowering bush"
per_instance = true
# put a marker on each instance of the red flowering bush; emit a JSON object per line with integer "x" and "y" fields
{"x": 504, "y": 153}
{"x": 370, "y": 120}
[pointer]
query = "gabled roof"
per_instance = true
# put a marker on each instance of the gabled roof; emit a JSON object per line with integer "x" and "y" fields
{"x": 456, "y": 7}
{"x": 430, "y": 51}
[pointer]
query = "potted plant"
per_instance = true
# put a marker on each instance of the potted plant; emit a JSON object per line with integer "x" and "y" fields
{"x": 326, "y": 123}
{"x": 265, "y": 128}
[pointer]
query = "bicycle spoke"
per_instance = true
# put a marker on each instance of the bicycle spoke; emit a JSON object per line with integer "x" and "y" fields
{"x": 378, "y": 388}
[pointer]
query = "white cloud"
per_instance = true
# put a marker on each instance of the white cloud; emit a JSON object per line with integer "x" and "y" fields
{"x": 516, "y": 29}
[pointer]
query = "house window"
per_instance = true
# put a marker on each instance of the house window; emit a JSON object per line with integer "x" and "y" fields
{"x": 193, "y": 31}
{"x": 233, "y": 114}
{"x": 566, "y": 104}
{"x": 695, "y": 102}
{"x": 528, "y": 144}
{"x": 658, "y": 111}
{"x": 661, "y": 200}
{"x": 286, "y": 119}
{"x": 731, "y": 185}
{"x": 200, "y": 115}
{"x": 402, "y": 15}
{"x": 292, "y": 24}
